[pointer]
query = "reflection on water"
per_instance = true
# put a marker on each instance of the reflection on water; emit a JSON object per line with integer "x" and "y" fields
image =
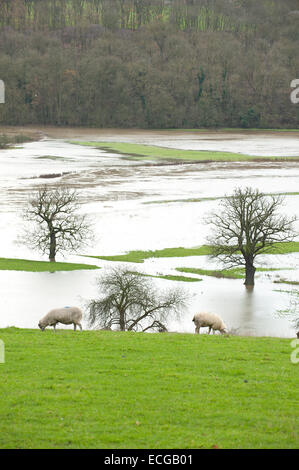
{"x": 125, "y": 199}
{"x": 246, "y": 313}
{"x": 37, "y": 293}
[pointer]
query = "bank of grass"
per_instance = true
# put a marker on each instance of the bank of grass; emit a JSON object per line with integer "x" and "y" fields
{"x": 154, "y": 152}
{"x": 138, "y": 256}
{"x": 171, "y": 277}
{"x": 115, "y": 390}
{"x": 7, "y": 141}
{"x": 233, "y": 273}
{"x": 14, "y": 264}
{"x": 285, "y": 281}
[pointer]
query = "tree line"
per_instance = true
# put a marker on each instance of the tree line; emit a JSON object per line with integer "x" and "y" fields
{"x": 149, "y": 63}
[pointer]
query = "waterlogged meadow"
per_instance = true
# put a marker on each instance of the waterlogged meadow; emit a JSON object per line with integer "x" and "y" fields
{"x": 147, "y": 194}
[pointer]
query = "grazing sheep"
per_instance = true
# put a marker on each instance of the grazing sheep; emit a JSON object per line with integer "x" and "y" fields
{"x": 65, "y": 315}
{"x": 214, "y": 322}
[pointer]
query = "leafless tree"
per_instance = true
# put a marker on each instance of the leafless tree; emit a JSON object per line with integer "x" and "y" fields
{"x": 248, "y": 224}
{"x": 130, "y": 301}
{"x": 55, "y": 226}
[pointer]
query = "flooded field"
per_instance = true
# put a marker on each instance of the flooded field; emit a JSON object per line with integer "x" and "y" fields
{"x": 147, "y": 205}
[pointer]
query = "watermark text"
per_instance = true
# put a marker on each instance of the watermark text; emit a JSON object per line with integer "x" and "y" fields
{"x": 2, "y": 92}
{"x": 2, "y": 352}
{"x": 295, "y": 93}
{"x": 295, "y": 353}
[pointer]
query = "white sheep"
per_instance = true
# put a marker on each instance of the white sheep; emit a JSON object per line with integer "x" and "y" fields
{"x": 213, "y": 321}
{"x": 65, "y": 315}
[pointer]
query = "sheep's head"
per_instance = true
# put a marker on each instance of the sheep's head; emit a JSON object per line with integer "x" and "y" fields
{"x": 41, "y": 325}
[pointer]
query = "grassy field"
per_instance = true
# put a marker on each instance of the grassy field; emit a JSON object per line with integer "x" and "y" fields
{"x": 171, "y": 277}
{"x": 113, "y": 390}
{"x": 155, "y": 152}
{"x": 14, "y": 264}
{"x": 139, "y": 256}
{"x": 7, "y": 141}
{"x": 233, "y": 273}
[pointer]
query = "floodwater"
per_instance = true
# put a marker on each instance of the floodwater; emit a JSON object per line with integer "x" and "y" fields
{"x": 144, "y": 205}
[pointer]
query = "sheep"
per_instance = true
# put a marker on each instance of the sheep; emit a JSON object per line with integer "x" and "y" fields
{"x": 213, "y": 321}
{"x": 65, "y": 315}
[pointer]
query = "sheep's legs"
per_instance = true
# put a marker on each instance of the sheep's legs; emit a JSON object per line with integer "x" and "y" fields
{"x": 209, "y": 330}
{"x": 75, "y": 326}
{"x": 197, "y": 329}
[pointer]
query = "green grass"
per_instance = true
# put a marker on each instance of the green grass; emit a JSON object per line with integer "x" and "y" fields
{"x": 118, "y": 390}
{"x": 233, "y": 273}
{"x": 285, "y": 281}
{"x": 155, "y": 152}
{"x": 9, "y": 141}
{"x": 50, "y": 157}
{"x": 140, "y": 256}
{"x": 284, "y": 248}
{"x": 171, "y": 277}
{"x": 13, "y": 264}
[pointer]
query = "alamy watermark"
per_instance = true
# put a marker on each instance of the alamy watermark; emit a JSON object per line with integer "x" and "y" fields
{"x": 295, "y": 93}
{"x": 2, "y": 92}
{"x": 295, "y": 353}
{"x": 2, "y": 352}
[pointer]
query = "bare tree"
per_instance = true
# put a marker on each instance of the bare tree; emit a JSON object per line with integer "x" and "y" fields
{"x": 130, "y": 301}
{"x": 55, "y": 224}
{"x": 248, "y": 224}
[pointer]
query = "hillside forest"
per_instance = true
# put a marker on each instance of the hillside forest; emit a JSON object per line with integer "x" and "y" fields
{"x": 149, "y": 63}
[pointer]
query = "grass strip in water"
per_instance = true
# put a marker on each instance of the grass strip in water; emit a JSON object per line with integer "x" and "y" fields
{"x": 285, "y": 281}
{"x": 13, "y": 264}
{"x": 155, "y": 152}
{"x": 126, "y": 390}
{"x": 140, "y": 256}
{"x": 233, "y": 273}
{"x": 170, "y": 277}
{"x": 203, "y": 250}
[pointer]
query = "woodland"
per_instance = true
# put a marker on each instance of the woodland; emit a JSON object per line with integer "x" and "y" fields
{"x": 149, "y": 63}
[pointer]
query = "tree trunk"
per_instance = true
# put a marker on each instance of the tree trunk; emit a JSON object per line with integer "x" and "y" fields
{"x": 249, "y": 274}
{"x": 122, "y": 321}
{"x": 52, "y": 253}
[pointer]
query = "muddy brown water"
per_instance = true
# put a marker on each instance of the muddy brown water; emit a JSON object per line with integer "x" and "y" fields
{"x": 125, "y": 200}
